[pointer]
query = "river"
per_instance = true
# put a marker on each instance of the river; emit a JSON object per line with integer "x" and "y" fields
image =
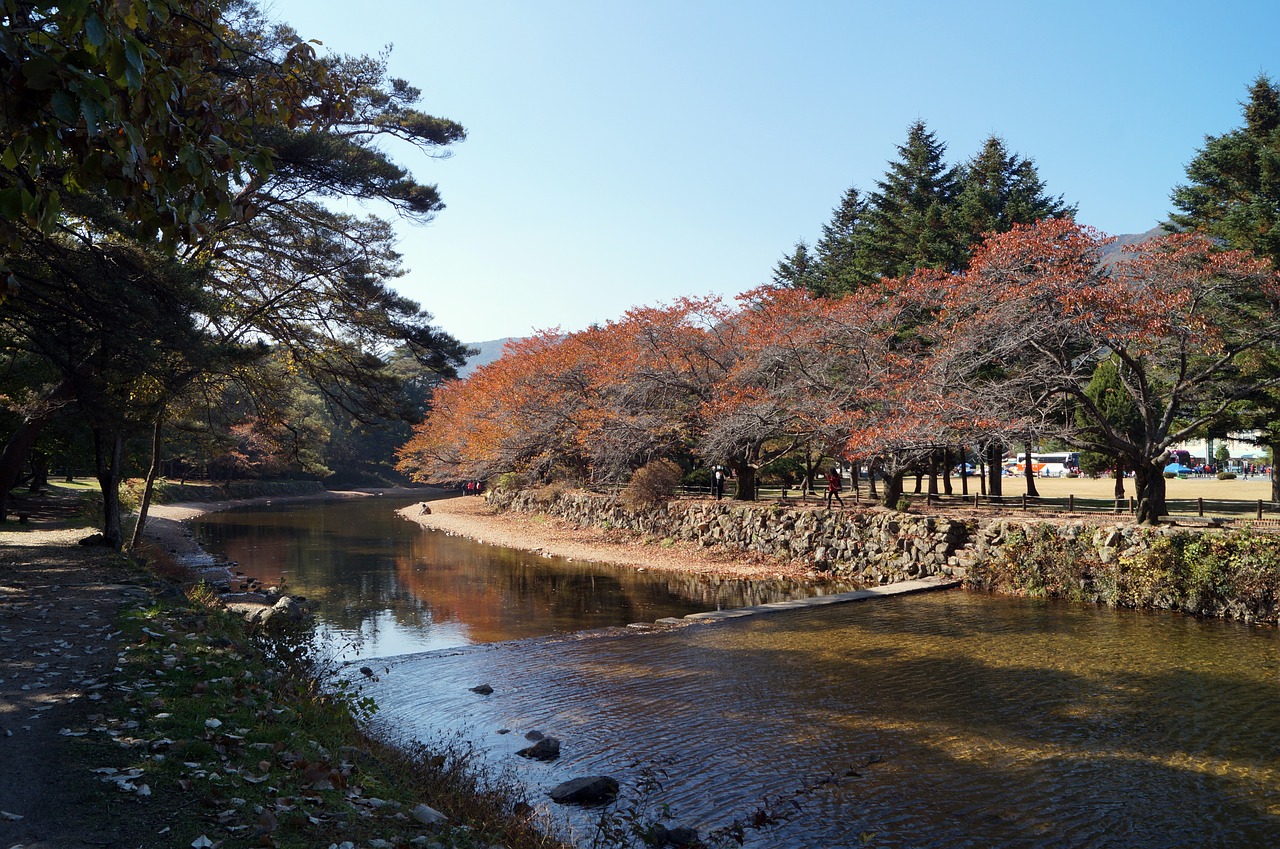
{"x": 946, "y": 719}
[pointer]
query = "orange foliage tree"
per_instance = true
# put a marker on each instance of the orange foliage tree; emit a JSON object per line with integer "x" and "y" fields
{"x": 889, "y": 374}
{"x": 1029, "y": 322}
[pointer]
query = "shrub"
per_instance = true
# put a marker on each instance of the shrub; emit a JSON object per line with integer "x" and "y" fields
{"x": 698, "y": 477}
{"x": 903, "y": 505}
{"x": 1226, "y": 476}
{"x": 506, "y": 482}
{"x": 651, "y": 484}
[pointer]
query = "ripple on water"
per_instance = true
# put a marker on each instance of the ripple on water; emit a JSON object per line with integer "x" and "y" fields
{"x": 936, "y": 720}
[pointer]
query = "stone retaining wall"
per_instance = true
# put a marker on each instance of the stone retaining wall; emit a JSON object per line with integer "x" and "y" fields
{"x": 1084, "y": 560}
{"x": 875, "y": 547}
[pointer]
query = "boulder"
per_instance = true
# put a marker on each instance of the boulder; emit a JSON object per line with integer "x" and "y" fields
{"x": 428, "y": 815}
{"x": 546, "y": 749}
{"x": 588, "y": 790}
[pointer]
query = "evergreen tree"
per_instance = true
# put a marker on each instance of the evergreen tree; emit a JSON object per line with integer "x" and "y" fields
{"x": 1233, "y": 188}
{"x": 842, "y": 255}
{"x": 1000, "y": 189}
{"x": 797, "y": 270}
{"x": 1116, "y": 407}
{"x": 923, "y": 215}
{"x": 909, "y": 220}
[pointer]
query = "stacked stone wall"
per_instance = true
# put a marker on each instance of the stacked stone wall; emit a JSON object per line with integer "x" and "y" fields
{"x": 1083, "y": 559}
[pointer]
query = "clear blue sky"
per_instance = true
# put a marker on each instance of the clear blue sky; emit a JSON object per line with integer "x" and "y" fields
{"x": 629, "y": 153}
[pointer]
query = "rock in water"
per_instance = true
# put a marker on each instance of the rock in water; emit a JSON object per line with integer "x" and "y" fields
{"x": 546, "y": 749}
{"x": 589, "y": 790}
{"x": 483, "y": 689}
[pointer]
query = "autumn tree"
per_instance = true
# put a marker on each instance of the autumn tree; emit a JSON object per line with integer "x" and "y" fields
{"x": 1036, "y": 312}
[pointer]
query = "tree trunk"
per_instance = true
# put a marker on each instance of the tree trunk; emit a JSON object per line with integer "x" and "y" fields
{"x": 39, "y": 471}
{"x": 1150, "y": 485}
{"x": 995, "y": 486}
{"x": 109, "y": 455}
{"x": 23, "y": 437}
{"x": 151, "y": 481}
{"x": 933, "y": 473}
{"x": 893, "y": 490}
{"x": 946, "y": 471}
{"x": 964, "y": 471}
{"x": 853, "y": 478}
{"x": 919, "y": 481}
{"x": 871, "y": 481}
{"x": 746, "y": 478}
{"x": 1030, "y": 474}
{"x": 1275, "y": 476}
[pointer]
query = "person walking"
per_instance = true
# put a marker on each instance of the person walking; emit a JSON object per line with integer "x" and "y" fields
{"x": 833, "y": 487}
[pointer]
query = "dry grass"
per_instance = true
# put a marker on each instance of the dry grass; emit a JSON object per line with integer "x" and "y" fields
{"x": 1210, "y": 487}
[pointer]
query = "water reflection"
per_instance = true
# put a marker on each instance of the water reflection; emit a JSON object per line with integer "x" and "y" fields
{"x": 396, "y": 588}
{"x": 937, "y": 720}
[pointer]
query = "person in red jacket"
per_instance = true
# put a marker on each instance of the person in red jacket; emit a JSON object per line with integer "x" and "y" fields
{"x": 833, "y": 487}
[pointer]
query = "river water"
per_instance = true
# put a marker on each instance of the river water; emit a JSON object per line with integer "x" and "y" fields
{"x": 938, "y": 720}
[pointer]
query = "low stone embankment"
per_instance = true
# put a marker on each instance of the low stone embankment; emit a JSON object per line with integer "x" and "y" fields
{"x": 1233, "y": 574}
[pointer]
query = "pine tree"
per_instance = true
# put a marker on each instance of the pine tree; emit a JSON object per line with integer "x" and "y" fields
{"x": 1233, "y": 188}
{"x": 909, "y": 224}
{"x": 1233, "y": 194}
{"x": 842, "y": 256}
{"x": 1000, "y": 189}
{"x": 797, "y": 270}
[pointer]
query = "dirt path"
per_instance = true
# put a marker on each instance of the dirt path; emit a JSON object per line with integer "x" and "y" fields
{"x": 58, "y": 605}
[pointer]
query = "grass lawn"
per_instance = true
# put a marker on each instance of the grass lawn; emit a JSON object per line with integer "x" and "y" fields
{"x": 1207, "y": 487}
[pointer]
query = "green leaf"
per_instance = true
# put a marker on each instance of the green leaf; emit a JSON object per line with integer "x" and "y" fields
{"x": 95, "y": 31}
{"x": 92, "y": 115}
{"x": 53, "y": 208}
{"x": 65, "y": 106}
{"x": 41, "y": 72}
{"x": 10, "y": 204}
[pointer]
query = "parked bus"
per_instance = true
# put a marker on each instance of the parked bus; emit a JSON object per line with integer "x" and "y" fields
{"x": 1046, "y": 465}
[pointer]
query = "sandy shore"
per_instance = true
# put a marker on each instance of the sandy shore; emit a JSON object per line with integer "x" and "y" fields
{"x": 470, "y": 516}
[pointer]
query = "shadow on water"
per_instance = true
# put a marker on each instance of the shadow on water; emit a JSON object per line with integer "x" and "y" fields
{"x": 947, "y": 719}
{"x": 927, "y": 732}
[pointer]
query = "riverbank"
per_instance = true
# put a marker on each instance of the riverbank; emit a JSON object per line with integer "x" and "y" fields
{"x": 542, "y": 533}
{"x": 170, "y": 723}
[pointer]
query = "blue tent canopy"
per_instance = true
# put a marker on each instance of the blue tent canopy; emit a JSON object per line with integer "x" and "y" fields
{"x": 1178, "y": 469}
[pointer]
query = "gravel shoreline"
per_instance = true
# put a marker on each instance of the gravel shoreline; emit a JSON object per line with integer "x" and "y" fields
{"x": 472, "y": 517}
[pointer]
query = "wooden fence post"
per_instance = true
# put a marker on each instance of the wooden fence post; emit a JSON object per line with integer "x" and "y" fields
{"x": 1071, "y": 502}
{"x": 1200, "y": 505}
{"x": 1259, "y": 508}
{"x": 1024, "y": 501}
